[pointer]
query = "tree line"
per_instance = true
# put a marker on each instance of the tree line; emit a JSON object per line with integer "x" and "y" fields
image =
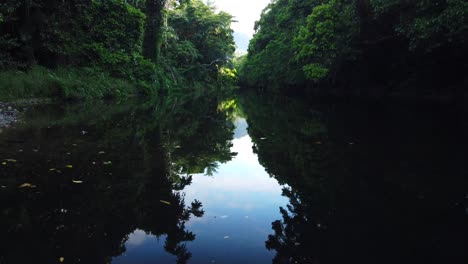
{"x": 359, "y": 46}
{"x": 153, "y": 44}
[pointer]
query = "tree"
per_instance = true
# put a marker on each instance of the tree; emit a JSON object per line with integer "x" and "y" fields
{"x": 154, "y": 17}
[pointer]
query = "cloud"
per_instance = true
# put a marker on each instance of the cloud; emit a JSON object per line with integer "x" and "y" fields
{"x": 245, "y": 12}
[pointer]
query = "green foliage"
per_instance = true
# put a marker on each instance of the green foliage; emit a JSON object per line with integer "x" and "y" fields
{"x": 359, "y": 43}
{"x": 63, "y": 83}
{"x": 121, "y": 39}
{"x": 326, "y": 39}
{"x": 198, "y": 42}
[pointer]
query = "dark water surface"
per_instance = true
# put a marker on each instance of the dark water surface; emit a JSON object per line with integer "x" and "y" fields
{"x": 216, "y": 179}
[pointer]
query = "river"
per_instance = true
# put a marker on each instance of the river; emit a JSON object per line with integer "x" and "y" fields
{"x": 234, "y": 179}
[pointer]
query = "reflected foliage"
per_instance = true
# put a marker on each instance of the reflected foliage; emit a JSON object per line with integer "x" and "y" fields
{"x": 368, "y": 184}
{"x": 95, "y": 179}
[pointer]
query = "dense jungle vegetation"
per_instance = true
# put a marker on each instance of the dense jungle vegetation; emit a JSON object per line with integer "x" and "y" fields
{"x": 112, "y": 48}
{"x": 371, "y": 47}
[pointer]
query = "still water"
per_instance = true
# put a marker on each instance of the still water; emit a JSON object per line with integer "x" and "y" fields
{"x": 225, "y": 179}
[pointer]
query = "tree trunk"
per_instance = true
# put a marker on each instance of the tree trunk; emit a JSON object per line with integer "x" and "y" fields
{"x": 152, "y": 38}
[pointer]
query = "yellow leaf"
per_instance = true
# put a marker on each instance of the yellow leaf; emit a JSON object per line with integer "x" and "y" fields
{"x": 61, "y": 259}
{"x": 165, "y": 202}
{"x": 77, "y": 181}
{"x": 4, "y": 163}
{"x": 68, "y": 166}
{"x": 27, "y": 185}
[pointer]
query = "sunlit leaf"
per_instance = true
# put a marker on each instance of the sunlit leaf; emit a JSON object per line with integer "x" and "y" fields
{"x": 68, "y": 166}
{"x": 61, "y": 259}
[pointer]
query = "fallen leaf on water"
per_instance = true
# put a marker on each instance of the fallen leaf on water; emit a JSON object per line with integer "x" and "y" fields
{"x": 77, "y": 181}
{"x": 27, "y": 185}
{"x": 61, "y": 259}
{"x": 165, "y": 202}
{"x": 4, "y": 163}
{"x": 69, "y": 166}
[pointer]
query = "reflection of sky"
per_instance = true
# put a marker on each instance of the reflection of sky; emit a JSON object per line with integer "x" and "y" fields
{"x": 143, "y": 248}
{"x": 240, "y": 202}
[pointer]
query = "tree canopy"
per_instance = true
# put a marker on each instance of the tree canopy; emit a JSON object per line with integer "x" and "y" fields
{"x": 347, "y": 44}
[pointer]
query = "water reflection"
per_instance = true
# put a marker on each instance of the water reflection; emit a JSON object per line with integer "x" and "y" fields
{"x": 79, "y": 187}
{"x": 240, "y": 201}
{"x": 368, "y": 184}
{"x": 210, "y": 179}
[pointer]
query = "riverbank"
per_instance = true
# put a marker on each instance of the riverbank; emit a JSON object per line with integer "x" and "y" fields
{"x": 64, "y": 83}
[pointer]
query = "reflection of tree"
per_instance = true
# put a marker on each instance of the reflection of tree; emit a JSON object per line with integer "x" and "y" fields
{"x": 152, "y": 150}
{"x": 359, "y": 189}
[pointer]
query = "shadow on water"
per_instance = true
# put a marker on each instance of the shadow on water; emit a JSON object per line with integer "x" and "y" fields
{"x": 367, "y": 184}
{"x": 78, "y": 179}
{"x": 81, "y": 183}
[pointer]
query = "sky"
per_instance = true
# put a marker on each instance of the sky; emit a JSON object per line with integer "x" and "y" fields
{"x": 246, "y": 12}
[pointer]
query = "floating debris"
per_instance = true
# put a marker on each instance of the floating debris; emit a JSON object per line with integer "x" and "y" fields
{"x": 27, "y": 185}
{"x": 77, "y": 182}
{"x": 165, "y": 202}
{"x": 69, "y": 166}
{"x": 61, "y": 259}
{"x": 107, "y": 162}
{"x": 101, "y": 152}
{"x": 10, "y": 160}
